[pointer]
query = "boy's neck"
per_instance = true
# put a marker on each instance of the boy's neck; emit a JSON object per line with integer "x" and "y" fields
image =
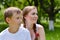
{"x": 13, "y": 29}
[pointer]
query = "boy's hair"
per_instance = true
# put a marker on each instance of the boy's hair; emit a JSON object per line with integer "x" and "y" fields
{"x": 10, "y": 11}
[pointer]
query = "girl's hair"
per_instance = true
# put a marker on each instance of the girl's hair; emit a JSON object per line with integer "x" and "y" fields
{"x": 26, "y": 10}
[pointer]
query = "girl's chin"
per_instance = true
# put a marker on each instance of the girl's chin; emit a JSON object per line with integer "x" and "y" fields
{"x": 34, "y": 22}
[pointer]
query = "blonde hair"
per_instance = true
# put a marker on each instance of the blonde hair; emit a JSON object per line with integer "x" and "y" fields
{"x": 10, "y": 11}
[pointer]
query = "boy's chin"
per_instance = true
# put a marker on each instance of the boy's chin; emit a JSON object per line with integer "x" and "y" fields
{"x": 19, "y": 23}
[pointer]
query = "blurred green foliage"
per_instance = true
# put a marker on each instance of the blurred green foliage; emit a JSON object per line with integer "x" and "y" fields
{"x": 43, "y": 17}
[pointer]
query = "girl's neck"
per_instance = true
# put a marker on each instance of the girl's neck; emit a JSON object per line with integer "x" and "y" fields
{"x": 29, "y": 26}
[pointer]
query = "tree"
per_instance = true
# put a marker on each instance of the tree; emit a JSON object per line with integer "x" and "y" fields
{"x": 15, "y": 3}
{"x": 49, "y": 7}
{"x": 35, "y": 3}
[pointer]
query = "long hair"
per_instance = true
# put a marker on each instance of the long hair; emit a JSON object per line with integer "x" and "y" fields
{"x": 26, "y": 10}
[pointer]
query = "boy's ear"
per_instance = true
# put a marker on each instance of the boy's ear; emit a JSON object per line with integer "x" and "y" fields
{"x": 8, "y": 20}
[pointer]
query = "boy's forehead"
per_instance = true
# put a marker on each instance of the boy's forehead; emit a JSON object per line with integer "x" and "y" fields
{"x": 17, "y": 14}
{"x": 12, "y": 9}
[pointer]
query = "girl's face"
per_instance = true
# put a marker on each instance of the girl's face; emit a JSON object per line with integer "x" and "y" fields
{"x": 32, "y": 17}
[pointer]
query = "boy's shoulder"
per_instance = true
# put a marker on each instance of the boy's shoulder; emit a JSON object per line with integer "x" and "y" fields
{"x": 24, "y": 29}
{"x": 3, "y": 32}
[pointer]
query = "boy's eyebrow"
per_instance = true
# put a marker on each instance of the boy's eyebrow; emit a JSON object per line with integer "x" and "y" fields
{"x": 18, "y": 11}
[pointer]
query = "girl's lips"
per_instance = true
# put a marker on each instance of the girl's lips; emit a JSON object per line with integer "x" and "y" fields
{"x": 34, "y": 19}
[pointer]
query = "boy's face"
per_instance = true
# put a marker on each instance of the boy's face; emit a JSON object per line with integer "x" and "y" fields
{"x": 16, "y": 19}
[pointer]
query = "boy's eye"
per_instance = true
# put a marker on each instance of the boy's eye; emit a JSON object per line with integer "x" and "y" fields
{"x": 17, "y": 17}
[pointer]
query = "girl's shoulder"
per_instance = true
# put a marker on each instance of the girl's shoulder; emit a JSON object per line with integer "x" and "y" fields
{"x": 39, "y": 27}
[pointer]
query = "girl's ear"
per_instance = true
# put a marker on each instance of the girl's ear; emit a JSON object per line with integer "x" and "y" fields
{"x": 8, "y": 20}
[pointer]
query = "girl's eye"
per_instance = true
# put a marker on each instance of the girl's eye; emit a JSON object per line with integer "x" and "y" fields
{"x": 33, "y": 14}
{"x": 36, "y": 13}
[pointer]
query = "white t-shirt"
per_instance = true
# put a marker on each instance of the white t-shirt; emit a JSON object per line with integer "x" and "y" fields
{"x": 22, "y": 34}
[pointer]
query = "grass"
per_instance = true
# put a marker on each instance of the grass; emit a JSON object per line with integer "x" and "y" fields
{"x": 52, "y": 35}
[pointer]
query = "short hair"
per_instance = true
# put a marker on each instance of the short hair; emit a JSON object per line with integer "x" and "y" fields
{"x": 10, "y": 11}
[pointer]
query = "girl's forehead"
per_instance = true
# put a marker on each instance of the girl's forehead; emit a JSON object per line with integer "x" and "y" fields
{"x": 33, "y": 11}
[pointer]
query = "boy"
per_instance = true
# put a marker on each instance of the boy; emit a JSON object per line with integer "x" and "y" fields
{"x": 13, "y": 16}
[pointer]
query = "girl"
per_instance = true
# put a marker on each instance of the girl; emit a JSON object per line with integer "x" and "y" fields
{"x": 30, "y": 19}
